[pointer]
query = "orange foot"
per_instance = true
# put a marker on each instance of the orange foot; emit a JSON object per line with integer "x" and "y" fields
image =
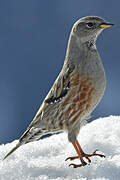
{"x": 82, "y": 155}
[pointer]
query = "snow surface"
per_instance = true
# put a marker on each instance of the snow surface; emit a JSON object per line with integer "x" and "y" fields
{"x": 45, "y": 159}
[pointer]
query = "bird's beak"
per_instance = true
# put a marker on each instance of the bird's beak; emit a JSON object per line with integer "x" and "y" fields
{"x": 106, "y": 25}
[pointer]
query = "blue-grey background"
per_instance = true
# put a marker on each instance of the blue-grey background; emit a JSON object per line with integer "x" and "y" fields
{"x": 33, "y": 41}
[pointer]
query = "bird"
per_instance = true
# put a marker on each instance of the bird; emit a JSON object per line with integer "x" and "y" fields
{"x": 75, "y": 93}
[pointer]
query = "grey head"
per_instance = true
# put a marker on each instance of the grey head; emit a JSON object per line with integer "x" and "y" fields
{"x": 89, "y": 27}
{"x": 83, "y": 37}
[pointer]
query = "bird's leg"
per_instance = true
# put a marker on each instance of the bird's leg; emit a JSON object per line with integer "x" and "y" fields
{"x": 82, "y": 155}
{"x": 83, "y": 163}
{"x": 79, "y": 151}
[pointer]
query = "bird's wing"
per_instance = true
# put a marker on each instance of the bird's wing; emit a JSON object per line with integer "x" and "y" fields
{"x": 39, "y": 125}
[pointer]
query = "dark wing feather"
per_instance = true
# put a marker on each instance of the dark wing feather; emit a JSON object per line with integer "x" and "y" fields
{"x": 60, "y": 87}
{"x": 37, "y": 127}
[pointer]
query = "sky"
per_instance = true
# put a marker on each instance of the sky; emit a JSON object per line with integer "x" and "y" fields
{"x": 33, "y": 42}
{"x": 45, "y": 159}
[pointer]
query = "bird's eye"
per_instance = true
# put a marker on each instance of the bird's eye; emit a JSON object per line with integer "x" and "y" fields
{"x": 90, "y": 24}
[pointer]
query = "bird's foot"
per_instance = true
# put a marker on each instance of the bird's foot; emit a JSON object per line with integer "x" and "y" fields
{"x": 83, "y": 155}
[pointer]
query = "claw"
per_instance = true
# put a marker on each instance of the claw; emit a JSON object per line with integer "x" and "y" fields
{"x": 66, "y": 159}
{"x": 83, "y": 163}
{"x": 78, "y": 165}
{"x": 95, "y": 151}
{"x": 74, "y": 165}
{"x": 102, "y": 156}
{"x": 69, "y": 158}
{"x": 89, "y": 160}
{"x": 72, "y": 158}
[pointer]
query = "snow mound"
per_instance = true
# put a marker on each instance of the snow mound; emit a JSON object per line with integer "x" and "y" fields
{"x": 45, "y": 159}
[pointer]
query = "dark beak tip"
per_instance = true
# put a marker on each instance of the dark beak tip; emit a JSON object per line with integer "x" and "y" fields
{"x": 112, "y": 24}
{"x": 107, "y": 23}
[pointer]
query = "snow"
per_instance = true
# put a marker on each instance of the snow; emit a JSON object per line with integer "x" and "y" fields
{"x": 45, "y": 159}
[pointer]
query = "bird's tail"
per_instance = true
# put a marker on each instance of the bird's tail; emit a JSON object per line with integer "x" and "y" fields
{"x": 28, "y": 136}
{"x": 31, "y": 134}
{"x": 12, "y": 150}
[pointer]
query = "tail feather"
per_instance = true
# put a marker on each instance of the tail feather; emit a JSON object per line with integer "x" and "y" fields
{"x": 31, "y": 134}
{"x": 12, "y": 150}
{"x": 28, "y": 136}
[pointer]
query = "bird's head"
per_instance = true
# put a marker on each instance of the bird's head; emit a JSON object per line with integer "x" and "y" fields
{"x": 89, "y": 27}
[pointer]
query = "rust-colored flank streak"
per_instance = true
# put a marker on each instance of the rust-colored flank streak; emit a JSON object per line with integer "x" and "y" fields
{"x": 79, "y": 99}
